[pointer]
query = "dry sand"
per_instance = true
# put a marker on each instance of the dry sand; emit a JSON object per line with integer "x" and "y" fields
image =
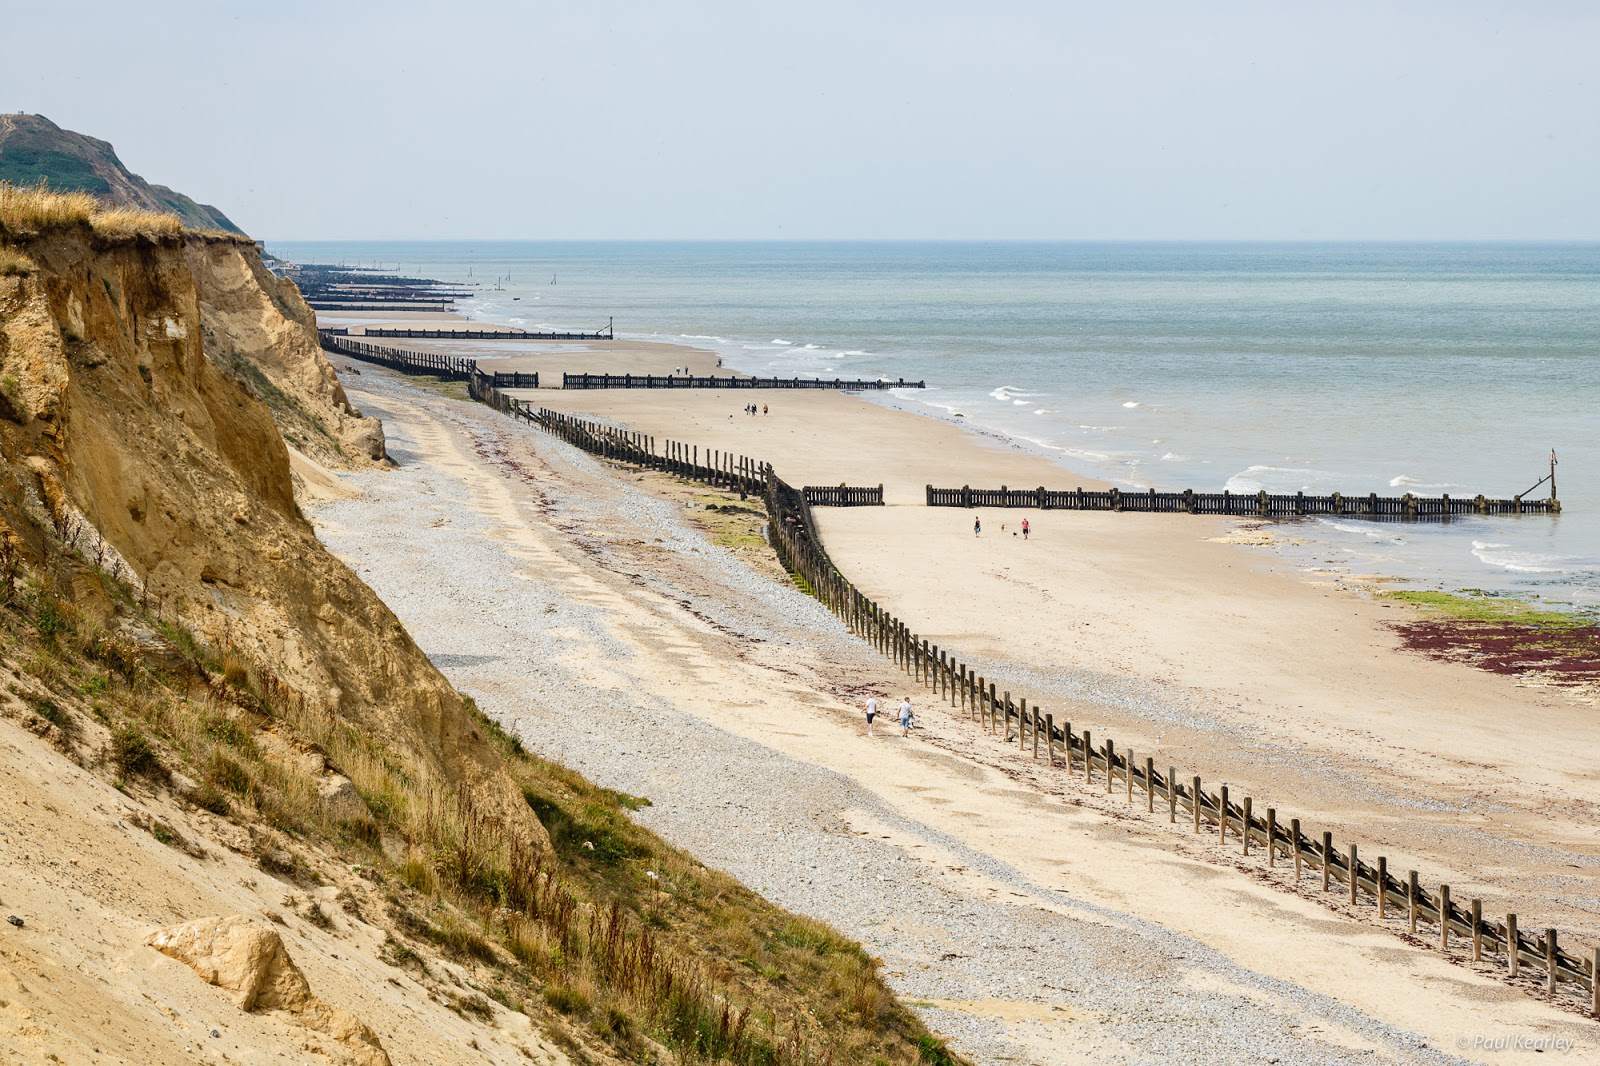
{"x": 981, "y": 822}
{"x": 1210, "y": 656}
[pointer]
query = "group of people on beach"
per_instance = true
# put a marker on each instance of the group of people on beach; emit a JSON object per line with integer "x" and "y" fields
{"x": 907, "y": 720}
{"x": 751, "y": 409}
{"x": 977, "y": 527}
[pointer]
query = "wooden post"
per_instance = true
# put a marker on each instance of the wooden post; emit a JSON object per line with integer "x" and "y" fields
{"x": 1444, "y": 917}
{"x": 1172, "y": 795}
{"x": 1294, "y": 841}
{"x": 1035, "y": 725}
{"x": 1050, "y": 739}
{"x": 1355, "y": 881}
{"x": 1088, "y": 760}
{"x": 1111, "y": 764}
{"x": 1513, "y": 963}
{"x": 1149, "y": 785}
{"x": 1195, "y": 796}
{"x": 1411, "y": 898}
{"x": 1127, "y": 773}
{"x": 1022, "y": 732}
{"x": 1594, "y": 983}
{"x": 1552, "y": 960}
{"x": 1245, "y": 821}
{"x": 1477, "y": 930}
{"x": 1272, "y": 837}
{"x": 1222, "y": 817}
{"x": 1327, "y": 858}
{"x": 1383, "y": 893}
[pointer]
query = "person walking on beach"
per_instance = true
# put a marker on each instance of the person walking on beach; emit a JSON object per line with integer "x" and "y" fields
{"x": 872, "y": 712}
{"x": 763, "y": 408}
{"x": 905, "y": 717}
{"x": 977, "y": 526}
{"x": 1024, "y": 529}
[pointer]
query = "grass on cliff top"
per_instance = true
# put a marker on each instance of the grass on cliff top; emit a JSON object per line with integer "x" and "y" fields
{"x": 29, "y": 211}
{"x": 1483, "y": 607}
{"x": 614, "y": 937}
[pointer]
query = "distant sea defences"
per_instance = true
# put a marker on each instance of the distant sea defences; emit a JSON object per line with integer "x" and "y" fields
{"x": 684, "y": 381}
{"x": 1262, "y": 504}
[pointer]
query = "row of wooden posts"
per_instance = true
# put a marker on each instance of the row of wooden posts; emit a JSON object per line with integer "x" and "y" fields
{"x": 843, "y": 495}
{"x": 603, "y": 334}
{"x": 792, "y": 532}
{"x": 1235, "y": 821}
{"x": 371, "y": 305}
{"x": 686, "y": 381}
{"x": 449, "y": 367}
{"x": 1264, "y": 504}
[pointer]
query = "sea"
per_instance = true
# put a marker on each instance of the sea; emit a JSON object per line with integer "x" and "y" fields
{"x": 1323, "y": 367}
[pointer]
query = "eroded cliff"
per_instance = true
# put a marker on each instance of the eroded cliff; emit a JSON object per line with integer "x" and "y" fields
{"x": 219, "y": 743}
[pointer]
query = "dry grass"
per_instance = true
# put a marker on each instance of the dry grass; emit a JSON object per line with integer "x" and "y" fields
{"x": 126, "y": 222}
{"x": 29, "y": 211}
{"x": 13, "y": 262}
{"x": 616, "y": 933}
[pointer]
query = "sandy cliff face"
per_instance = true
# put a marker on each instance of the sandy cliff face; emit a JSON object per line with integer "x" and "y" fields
{"x": 257, "y": 327}
{"x": 118, "y": 411}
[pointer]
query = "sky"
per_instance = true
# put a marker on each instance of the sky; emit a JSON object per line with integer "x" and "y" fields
{"x": 1003, "y": 119}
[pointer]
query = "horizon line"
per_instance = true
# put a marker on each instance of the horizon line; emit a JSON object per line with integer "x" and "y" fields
{"x": 935, "y": 240}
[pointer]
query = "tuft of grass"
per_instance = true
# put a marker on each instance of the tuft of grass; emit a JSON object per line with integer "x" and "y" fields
{"x": 566, "y": 999}
{"x": 14, "y": 264}
{"x": 1473, "y": 606}
{"x": 210, "y": 798}
{"x": 133, "y": 754}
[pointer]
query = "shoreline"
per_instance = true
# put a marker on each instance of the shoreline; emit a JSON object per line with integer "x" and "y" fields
{"x": 1058, "y": 859}
{"x": 1266, "y": 543}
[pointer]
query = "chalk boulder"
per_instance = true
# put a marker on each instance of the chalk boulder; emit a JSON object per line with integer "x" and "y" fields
{"x": 248, "y": 960}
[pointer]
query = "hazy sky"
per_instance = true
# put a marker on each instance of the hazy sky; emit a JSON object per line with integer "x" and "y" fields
{"x": 1000, "y": 119}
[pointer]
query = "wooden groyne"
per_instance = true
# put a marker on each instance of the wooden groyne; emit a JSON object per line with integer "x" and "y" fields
{"x": 843, "y": 495}
{"x": 448, "y": 367}
{"x": 1262, "y": 504}
{"x": 683, "y": 381}
{"x": 1232, "y": 822}
{"x": 369, "y": 305}
{"x": 604, "y": 334}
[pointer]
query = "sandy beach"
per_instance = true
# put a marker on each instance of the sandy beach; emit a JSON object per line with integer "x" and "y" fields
{"x": 1162, "y": 632}
{"x": 1148, "y": 628}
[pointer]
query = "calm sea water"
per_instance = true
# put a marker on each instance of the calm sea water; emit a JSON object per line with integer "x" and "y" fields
{"x": 1350, "y": 367}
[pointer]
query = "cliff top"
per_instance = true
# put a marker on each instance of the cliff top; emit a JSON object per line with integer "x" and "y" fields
{"x": 34, "y": 150}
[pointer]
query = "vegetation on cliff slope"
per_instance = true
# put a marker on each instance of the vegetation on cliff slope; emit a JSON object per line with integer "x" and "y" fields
{"x": 613, "y": 936}
{"x": 171, "y": 623}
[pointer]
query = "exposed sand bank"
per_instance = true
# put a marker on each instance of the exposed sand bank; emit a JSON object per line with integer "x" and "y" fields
{"x": 1029, "y": 913}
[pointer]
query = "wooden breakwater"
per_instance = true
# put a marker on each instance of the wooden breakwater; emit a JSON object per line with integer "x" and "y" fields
{"x": 448, "y": 367}
{"x": 1262, "y": 504}
{"x": 603, "y": 334}
{"x": 372, "y": 305}
{"x": 719, "y": 469}
{"x": 795, "y": 538}
{"x": 843, "y": 495}
{"x": 685, "y": 381}
{"x": 1283, "y": 842}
